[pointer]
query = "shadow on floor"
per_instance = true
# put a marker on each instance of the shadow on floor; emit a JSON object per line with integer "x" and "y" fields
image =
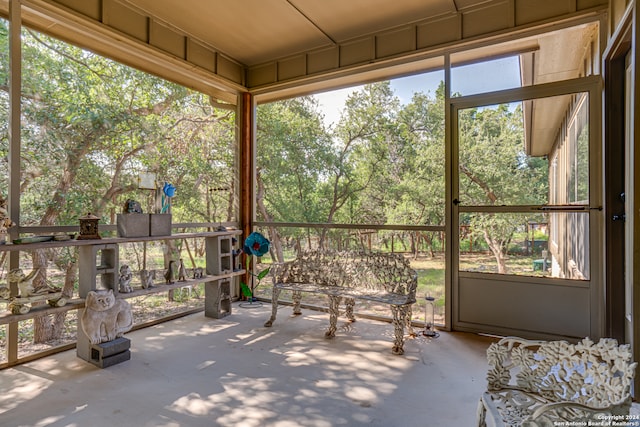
{"x": 197, "y": 371}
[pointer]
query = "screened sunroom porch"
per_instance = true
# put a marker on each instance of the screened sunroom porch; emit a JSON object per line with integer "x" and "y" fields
{"x": 244, "y": 85}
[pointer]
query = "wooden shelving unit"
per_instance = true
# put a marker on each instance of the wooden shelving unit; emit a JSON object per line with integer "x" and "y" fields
{"x": 6, "y": 317}
{"x": 113, "y": 240}
{"x": 106, "y": 270}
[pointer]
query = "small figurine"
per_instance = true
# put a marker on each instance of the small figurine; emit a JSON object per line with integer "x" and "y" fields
{"x": 25, "y": 283}
{"x": 125, "y": 279}
{"x": 29, "y": 294}
{"x": 170, "y": 274}
{"x": 5, "y": 221}
{"x": 198, "y": 273}
{"x": 235, "y": 255}
{"x": 182, "y": 272}
{"x": 146, "y": 278}
{"x": 132, "y": 206}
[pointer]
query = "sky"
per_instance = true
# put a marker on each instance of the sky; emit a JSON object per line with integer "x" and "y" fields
{"x": 484, "y": 77}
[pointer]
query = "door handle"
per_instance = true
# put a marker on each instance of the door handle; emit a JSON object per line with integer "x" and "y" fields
{"x": 619, "y": 217}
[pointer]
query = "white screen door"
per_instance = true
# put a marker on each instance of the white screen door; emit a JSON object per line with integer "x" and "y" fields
{"x": 525, "y": 204}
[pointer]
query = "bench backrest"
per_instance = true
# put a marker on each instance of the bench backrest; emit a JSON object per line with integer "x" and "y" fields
{"x": 596, "y": 374}
{"x": 362, "y": 270}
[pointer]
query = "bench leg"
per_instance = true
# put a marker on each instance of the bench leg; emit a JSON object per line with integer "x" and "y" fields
{"x": 334, "y": 307}
{"x": 408, "y": 325}
{"x": 297, "y": 297}
{"x": 274, "y": 306}
{"x": 349, "y": 303}
{"x": 481, "y": 414}
{"x": 399, "y": 319}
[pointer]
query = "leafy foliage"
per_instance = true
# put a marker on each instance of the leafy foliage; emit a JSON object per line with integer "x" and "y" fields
{"x": 384, "y": 163}
{"x": 91, "y": 126}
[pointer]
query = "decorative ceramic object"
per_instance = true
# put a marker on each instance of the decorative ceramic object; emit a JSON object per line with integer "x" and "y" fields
{"x": 254, "y": 245}
{"x": 105, "y": 317}
{"x": 146, "y": 279}
{"x": 5, "y": 221}
{"x": 182, "y": 272}
{"x": 172, "y": 273}
{"x": 89, "y": 227}
{"x": 125, "y": 279}
{"x": 198, "y": 273}
{"x": 132, "y": 206}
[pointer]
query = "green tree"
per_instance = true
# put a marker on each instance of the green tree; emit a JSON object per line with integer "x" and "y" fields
{"x": 375, "y": 166}
{"x": 494, "y": 170}
{"x": 293, "y": 155}
{"x": 421, "y": 192}
{"x": 370, "y": 156}
{"x": 90, "y": 126}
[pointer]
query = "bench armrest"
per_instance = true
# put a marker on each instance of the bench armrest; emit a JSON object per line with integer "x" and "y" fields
{"x": 620, "y": 408}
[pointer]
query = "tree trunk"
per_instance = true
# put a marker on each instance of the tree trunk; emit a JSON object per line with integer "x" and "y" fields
{"x": 191, "y": 258}
{"x": 44, "y": 327}
{"x": 50, "y": 327}
{"x": 273, "y": 233}
{"x": 298, "y": 247}
{"x": 499, "y": 252}
{"x": 412, "y": 239}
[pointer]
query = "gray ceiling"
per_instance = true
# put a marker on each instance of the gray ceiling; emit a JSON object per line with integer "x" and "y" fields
{"x": 256, "y": 31}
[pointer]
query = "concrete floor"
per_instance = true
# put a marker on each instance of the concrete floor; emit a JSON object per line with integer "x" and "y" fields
{"x": 198, "y": 371}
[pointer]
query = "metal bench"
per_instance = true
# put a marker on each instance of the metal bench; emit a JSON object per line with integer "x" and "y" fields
{"x": 384, "y": 278}
{"x": 540, "y": 383}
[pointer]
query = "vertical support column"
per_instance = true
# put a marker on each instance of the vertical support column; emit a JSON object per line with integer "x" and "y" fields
{"x": 634, "y": 255}
{"x": 247, "y": 163}
{"x": 89, "y": 269}
{"x": 217, "y": 303}
{"x": 450, "y": 275}
{"x": 247, "y": 168}
{"x": 614, "y": 157}
{"x": 219, "y": 255}
{"x": 15, "y": 78}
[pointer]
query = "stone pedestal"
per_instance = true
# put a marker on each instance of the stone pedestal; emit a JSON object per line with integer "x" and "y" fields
{"x": 104, "y": 354}
{"x": 217, "y": 298}
{"x": 109, "y": 353}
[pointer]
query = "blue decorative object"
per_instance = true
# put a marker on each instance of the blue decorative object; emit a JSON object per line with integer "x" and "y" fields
{"x": 254, "y": 245}
{"x": 168, "y": 191}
